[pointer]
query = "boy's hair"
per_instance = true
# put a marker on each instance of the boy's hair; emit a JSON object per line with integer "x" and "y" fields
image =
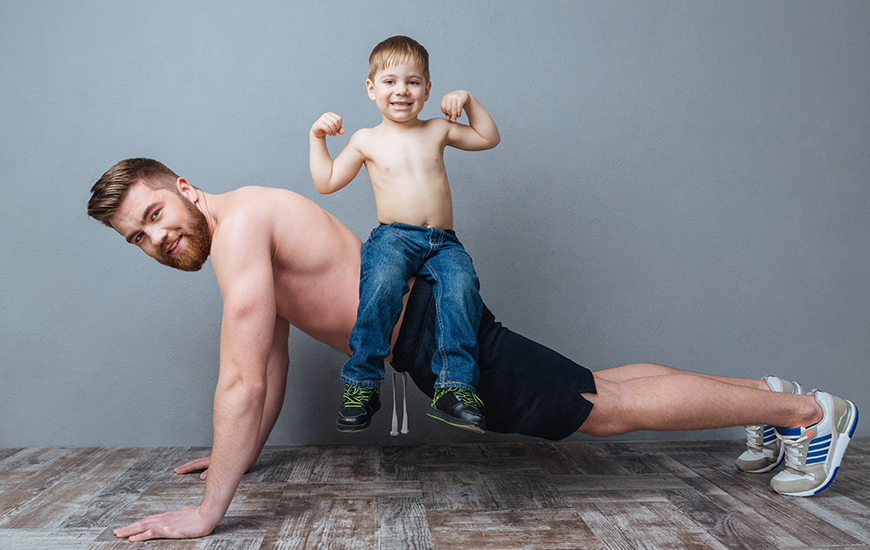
{"x": 109, "y": 191}
{"x": 395, "y": 50}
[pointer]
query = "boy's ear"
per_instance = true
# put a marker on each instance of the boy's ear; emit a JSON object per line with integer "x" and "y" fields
{"x": 370, "y": 86}
{"x": 428, "y": 89}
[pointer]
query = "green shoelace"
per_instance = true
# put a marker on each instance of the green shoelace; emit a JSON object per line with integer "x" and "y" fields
{"x": 356, "y": 395}
{"x": 466, "y": 396}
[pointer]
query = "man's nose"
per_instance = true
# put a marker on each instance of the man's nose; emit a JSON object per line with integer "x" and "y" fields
{"x": 157, "y": 236}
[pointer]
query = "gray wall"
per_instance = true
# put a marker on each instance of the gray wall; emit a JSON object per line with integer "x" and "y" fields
{"x": 678, "y": 182}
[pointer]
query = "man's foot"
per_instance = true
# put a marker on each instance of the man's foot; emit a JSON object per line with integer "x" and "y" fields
{"x": 458, "y": 407}
{"x": 763, "y": 451}
{"x": 813, "y": 454}
{"x": 360, "y": 404}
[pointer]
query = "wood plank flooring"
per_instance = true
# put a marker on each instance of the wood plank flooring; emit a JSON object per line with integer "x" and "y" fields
{"x": 500, "y": 496}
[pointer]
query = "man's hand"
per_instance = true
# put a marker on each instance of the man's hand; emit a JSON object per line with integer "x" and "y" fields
{"x": 193, "y": 466}
{"x": 329, "y": 124}
{"x": 186, "y": 523}
{"x": 453, "y": 103}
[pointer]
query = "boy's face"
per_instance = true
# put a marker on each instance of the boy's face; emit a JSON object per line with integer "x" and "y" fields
{"x": 400, "y": 91}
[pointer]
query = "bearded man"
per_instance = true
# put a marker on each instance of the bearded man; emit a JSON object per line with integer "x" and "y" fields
{"x": 280, "y": 259}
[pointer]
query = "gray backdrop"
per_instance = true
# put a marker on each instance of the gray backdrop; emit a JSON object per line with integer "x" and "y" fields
{"x": 677, "y": 182}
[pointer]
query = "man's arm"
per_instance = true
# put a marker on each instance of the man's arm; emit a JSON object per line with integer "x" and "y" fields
{"x": 329, "y": 176}
{"x": 481, "y": 132}
{"x": 242, "y": 263}
{"x": 276, "y": 384}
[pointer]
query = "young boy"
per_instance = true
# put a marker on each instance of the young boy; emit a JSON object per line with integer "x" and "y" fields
{"x": 404, "y": 159}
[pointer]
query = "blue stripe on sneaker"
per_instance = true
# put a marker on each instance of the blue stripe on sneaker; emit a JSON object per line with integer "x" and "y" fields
{"x": 789, "y": 431}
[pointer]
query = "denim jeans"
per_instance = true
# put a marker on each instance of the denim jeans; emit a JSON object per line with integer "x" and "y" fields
{"x": 390, "y": 257}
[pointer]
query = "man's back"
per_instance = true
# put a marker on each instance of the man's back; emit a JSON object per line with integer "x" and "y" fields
{"x": 315, "y": 258}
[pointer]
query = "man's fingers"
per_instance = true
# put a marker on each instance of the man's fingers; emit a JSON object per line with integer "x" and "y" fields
{"x": 193, "y": 466}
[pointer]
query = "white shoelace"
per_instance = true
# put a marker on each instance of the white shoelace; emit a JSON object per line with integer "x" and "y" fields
{"x": 395, "y": 430}
{"x": 752, "y": 436}
{"x": 793, "y": 450}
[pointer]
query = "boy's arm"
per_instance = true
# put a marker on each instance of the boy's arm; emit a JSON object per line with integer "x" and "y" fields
{"x": 329, "y": 176}
{"x": 481, "y": 132}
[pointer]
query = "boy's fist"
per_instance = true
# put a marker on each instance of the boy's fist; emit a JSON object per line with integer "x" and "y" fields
{"x": 329, "y": 124}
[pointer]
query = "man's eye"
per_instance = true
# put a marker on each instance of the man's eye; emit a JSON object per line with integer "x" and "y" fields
{"x": 137, "y": 238}
{"x": 155, "y": 214}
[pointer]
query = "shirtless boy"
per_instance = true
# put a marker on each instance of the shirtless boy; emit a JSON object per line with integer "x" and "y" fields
{"x": 404, "y": 157}
{"x": 280, "y": 259}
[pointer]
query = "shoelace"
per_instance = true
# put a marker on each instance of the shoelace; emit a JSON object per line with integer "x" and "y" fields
{"x": 794, "y": 449}
{"x": 754, "y": 434}
{"x": 468, "y": 397}
{"x": 356, "y": 395}
{"x": 395, "y": 426}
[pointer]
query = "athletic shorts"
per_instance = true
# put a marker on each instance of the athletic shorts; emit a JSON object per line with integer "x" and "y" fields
{"x": 526, "y": 388}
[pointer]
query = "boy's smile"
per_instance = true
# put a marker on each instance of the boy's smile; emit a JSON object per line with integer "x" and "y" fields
{"x": 399, "y": 91}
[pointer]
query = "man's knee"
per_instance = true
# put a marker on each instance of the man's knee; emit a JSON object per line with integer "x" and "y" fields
{"x": 607, "y": 416}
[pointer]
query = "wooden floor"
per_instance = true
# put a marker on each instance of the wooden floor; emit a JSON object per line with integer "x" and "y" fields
{"x": 472, "y": 496}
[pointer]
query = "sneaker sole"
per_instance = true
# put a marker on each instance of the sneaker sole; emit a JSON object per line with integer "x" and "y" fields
{"x": 438, "y": 415}
{"x": 766, "y": 468}
{"x": 351, "y": 429}
{"x": 839, "y": 451}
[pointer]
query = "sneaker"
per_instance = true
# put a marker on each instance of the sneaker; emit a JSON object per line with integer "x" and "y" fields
{"x": 813, "y": 454}
{"x": 360, "y": 404}
{"x": 458, "y": 407}
{"x": 763, "y": 451}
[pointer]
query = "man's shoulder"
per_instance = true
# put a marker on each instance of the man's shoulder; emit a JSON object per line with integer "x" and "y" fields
{"x": 251, "y": 212}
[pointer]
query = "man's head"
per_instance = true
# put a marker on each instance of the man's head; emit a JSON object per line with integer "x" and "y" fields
{"x": 398, "y": 49}
{"x": 154, "y": 209}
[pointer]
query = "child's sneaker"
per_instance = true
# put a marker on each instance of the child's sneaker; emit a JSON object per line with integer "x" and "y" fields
{"x": 763, "y": 451}
{"x": 360, "y": 404}
{"x": 458, "y": 407}
{"x": 813, "y": 454}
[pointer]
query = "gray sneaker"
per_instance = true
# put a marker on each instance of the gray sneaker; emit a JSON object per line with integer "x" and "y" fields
{"x": 813, "y": 454}
{"x": 763, "y": 450}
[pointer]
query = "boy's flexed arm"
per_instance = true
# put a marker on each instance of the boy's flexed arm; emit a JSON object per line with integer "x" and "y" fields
{"x": 481, "y": 132}
{"x": 329, "y": 176}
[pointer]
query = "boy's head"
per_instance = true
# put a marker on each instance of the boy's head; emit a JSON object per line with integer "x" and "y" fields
{"x": 398, "y": 49}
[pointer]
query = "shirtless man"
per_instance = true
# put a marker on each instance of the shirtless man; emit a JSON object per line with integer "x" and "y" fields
{"x": 280, "y": 259}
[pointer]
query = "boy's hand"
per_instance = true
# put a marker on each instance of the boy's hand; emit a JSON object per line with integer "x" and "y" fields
{"x": 453, "y": 103}
{"x": 329, "y": 124}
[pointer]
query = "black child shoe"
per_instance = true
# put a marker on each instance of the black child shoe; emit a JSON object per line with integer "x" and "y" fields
{"x": 458, "y": 407}
{"x": 360, "y": 404}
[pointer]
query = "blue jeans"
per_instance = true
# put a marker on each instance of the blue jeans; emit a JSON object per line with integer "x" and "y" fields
{"x": 390, "y": 257}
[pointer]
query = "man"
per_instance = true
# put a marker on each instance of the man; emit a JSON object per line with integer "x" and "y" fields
{"x": 279, "y": 259}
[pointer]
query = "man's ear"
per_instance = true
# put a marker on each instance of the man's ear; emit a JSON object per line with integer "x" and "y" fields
{"x": 370, "y": 86}
{"x": 185, "y": 188}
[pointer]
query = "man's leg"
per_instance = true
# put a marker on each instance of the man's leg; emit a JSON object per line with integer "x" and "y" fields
{"x": 645, "y": 370}
{"x": 654, "y": 397}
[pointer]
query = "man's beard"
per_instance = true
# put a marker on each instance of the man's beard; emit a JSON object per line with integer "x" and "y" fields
{"x": 198, "y": 245}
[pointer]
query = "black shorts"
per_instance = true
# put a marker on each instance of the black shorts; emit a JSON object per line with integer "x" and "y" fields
{"x": 526, "y": 388}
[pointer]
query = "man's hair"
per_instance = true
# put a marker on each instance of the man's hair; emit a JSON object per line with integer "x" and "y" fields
{"x": 109, "y": 191}
{"x": 395, "y": 50}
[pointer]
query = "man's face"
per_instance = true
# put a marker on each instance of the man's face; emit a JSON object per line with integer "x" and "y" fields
{"x": 166, "y": 225}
